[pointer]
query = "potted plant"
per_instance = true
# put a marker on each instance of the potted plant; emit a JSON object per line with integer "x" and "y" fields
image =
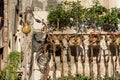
{"x": 110, "y": 20}
{"x": 74, "y": 14}
{"x": 66, "y": 14}
{"x": 58, "y": 17}
{"x": 78, "y": 13}
{"x": 95, "y": 12}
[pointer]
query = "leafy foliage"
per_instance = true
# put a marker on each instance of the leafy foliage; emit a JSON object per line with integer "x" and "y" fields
{"x": 109, "y": 78}
{"x": 95, "y": 11}
{"x": 96, "y": 14}
{"x": 80, "y": 77}
{"x": 10, "y": 71}
{"x": 61, "y": 14}
{"x": 76, "y": 10}
{"x": 111, "y": 17}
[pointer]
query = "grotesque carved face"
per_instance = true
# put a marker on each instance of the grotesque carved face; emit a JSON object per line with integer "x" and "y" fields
{"x": 38, "y": 40}
{"x": 39, "y": 36}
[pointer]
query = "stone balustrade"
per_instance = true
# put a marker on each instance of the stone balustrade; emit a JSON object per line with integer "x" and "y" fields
{"x": 72, "y": 54}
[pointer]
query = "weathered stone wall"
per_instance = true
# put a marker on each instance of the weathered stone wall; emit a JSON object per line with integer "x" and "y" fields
{"x": 106, "y": 3}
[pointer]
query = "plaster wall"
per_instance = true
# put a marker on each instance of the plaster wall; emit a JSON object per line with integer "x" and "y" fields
{"x": 41, "y": 15}
{"x": 106, "y": 3}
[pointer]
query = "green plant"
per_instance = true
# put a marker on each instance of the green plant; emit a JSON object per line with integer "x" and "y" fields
{"x": 59, "y": 15}
{"x": 78, "y": 13}
{"x": 76, "y": 10}
{"x": 79, "y": 77}
{"x": 110, "y": 19}
{"x": 73, "y": 14}
{"x": 95, "y": 12}
{"x": 111, "y": 16}
{"x": 10, "y": 70}
{"x": 67, "y": 78}
{"x": 109, "y": 78}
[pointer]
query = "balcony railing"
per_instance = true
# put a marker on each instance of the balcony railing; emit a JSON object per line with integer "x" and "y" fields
{"x": 94, "y": 54}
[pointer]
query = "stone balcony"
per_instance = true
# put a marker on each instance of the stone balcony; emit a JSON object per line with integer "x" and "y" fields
{"x": 64, "y": 67}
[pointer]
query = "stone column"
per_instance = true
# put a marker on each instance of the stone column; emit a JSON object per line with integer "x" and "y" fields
{"x": 5, "y": 32}
{"x": 12, "y": 23}
{"x": 26, "y": 44}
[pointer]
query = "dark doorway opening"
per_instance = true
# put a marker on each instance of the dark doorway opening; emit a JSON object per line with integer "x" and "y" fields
{"x": 1, "y": 26}
{"x": 1, "y": 14}
{"x": 1, "y": 56}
